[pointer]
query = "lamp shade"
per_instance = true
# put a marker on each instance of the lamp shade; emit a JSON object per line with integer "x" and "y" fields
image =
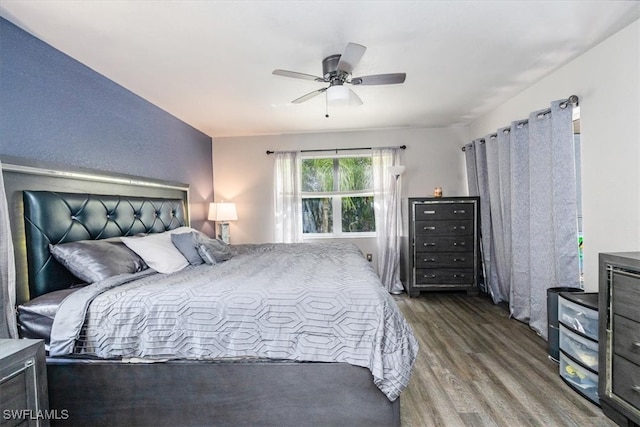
{"x": 338, "y": 95}
{"x": 397, "y": 170}
{"x": 222, "y": 212}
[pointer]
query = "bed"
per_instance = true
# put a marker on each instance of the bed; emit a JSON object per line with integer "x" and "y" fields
{"x": 107, "y": 372}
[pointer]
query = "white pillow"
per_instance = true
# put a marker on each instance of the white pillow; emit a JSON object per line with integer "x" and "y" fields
{"x": 158, "y": 251}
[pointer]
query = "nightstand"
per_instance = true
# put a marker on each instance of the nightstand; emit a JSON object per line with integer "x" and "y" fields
{"x": 23, "y": 383}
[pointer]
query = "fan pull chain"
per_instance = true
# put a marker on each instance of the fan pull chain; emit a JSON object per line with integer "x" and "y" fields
{"x": 326, "y": 103}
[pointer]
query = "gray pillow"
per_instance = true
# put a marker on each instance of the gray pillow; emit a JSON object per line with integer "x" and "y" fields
{"x": 95, "y": 260}
{"x": 187, "y": 243}
{"x": 214, "y": 251}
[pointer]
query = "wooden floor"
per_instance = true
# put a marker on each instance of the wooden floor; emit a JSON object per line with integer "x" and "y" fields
{"x": 477, "y": 367}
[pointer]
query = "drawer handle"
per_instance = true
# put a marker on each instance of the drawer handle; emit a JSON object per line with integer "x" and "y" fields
{"x": 459, "y": 243}
{"x": 429, "y": 260}
{"x": 428, "y": 244}
{"x": 462, "y": 227}
{"x": 429, "y": 228}
{"x": 636, "y": 344}
{"x": 429, "y": 212}
{"x": 459, "y": 211}
{"x": 458, "y": 276}
{"x": 636, "y": 388}
{"x": 459, "y": 259}
{"x": 429, "y": 276}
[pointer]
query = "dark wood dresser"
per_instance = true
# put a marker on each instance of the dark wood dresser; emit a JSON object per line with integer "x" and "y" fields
{"x": 619, "y": 320}
{"x": 23, "y": 383}
{"x": 444, "y": 244}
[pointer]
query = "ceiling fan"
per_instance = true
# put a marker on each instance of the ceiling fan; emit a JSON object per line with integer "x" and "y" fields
{"x": 336, "y": 70}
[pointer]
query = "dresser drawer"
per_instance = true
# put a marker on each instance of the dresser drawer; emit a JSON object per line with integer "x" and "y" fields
{"x": 444, "y": 276}
{"x": 580, "y": 378}
{"x": 626, "y": 380}
{"x": 626, "y": 294}
{"x": 579, "y": 348}
{"x": 578, "y": 318}
{"x": 444, "y": 243}
{"x": 427, "y": 211}
{"x": 444, "y": 228}
{"x": 626, "y": 338}
{"x": 14, "y": 397}
{"x": 444, "y": 259}
{"x": 23, "y": 383}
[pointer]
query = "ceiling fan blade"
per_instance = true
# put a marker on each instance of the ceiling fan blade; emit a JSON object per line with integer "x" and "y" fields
{"x": 351, "y": 57}
{"x": 354, "y": 99}
{"x": 296, "y": 75}
{"x": 308, "y": 96}
{"x": 379, "y": 79}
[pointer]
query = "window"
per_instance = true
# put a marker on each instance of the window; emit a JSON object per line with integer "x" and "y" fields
{"x": 577, "y": 145}
{"x": 337, "y": 196}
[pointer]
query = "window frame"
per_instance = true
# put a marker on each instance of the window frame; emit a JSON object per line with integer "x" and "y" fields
{"x": 336, "y": 200}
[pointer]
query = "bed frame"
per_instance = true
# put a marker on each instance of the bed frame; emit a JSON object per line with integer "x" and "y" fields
{"x": 186, "y": 393}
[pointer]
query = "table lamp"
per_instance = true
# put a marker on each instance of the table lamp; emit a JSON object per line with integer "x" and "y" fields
{"x": 222, "y": 213}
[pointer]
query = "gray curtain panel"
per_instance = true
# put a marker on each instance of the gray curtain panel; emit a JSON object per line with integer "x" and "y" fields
{"x": 526, "y": 179}
{"x": 499, "y": 275}
{"x": 472, "y": 171}
{"x": 490, "y": 278}
{"x": 8, "y": 327}
{"x": 553, "y": 223}
{"x": 519, "y": 303}
{"x": 474, "y": 190}
{"x": 504, "y": 156}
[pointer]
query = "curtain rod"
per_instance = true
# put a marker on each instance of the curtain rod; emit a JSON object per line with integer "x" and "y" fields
{"x": 337, "y": 149}
{"x": 573, "y": 100}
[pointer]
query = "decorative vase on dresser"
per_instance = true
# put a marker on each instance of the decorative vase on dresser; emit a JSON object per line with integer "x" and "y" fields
{"x": 619, "y": 312}
{"x": 444, "y": 244}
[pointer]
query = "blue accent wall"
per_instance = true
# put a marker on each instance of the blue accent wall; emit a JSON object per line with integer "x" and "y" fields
{"x": 54, "y": 109}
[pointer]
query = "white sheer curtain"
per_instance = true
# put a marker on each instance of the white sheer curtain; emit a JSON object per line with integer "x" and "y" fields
{"x": 525, "y": 177}
{"x": 387, "y": 207}
{"x": 288, "y": 201}
{"x": 8, "y": 328}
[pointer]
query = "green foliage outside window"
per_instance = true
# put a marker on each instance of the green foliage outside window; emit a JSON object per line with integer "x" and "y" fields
{"x": 337, "y": 179}
{"x": 357, "y": 214}
{"x": 317, "y": 175}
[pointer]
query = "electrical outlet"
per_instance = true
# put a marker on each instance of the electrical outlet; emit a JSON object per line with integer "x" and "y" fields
{"x": 369, "y": 257}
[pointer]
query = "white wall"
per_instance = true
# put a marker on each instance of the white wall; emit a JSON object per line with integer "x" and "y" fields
{"x": 243, "y": 173}
{"x": 607, "y": 81}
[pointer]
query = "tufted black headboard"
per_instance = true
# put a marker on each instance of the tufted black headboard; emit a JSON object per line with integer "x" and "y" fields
{"x": 55, "y": 217}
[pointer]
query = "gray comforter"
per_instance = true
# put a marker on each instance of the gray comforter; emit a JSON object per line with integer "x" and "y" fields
{"x": 303, "y": 302}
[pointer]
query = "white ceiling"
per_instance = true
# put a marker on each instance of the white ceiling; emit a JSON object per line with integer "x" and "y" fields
{"x": 209, "y": 63}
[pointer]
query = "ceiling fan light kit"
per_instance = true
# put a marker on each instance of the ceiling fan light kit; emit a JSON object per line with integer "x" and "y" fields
{"x": 336, "y": 70}
{"x": 338, "y": 95}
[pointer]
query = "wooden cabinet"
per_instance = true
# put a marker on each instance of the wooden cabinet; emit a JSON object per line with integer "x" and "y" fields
{"x": 23, "y": 383}
{"x": 443, "y": 244}
{"x": 619, "y": 321}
